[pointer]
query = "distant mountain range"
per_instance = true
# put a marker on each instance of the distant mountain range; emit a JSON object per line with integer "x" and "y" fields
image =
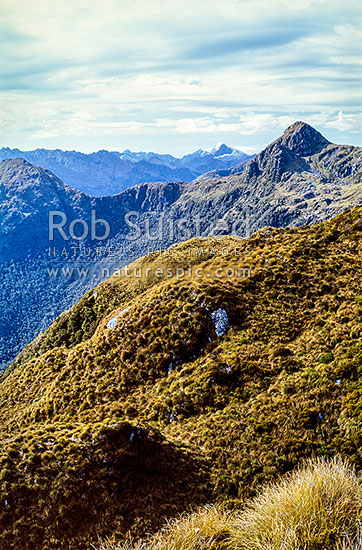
{"x": 109, "y": 173}
{"x": 299, "y": 179}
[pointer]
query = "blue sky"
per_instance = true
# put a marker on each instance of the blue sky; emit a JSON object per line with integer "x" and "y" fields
{"x": 173, "y": 76}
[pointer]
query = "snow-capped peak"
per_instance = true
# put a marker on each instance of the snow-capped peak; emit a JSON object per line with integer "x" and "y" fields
{"x": 221, "y": 149}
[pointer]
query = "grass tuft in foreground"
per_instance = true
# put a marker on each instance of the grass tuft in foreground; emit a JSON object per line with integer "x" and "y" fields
{"x": 317, "y": 507}
{"x": 209, "y": 528}
{"x": 314, "y": 508}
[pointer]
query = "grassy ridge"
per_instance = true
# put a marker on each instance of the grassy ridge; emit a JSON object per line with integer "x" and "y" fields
{"x": 216, "y": 416}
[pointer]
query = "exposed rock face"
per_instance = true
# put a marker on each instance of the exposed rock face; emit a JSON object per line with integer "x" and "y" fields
{"x": 220, "y": 321}
{"x": 276, "y": 160}
{"x": 303, "y": 140}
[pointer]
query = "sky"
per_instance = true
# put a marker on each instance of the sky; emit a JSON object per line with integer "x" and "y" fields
{"x": 175, "y": 76}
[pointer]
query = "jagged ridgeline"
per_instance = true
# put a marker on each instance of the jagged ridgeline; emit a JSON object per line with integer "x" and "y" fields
{"x": 160, "y": 391}
{"x": 110, "y": 172}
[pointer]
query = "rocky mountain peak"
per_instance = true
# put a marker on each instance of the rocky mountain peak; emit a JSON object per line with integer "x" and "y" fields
{"x": 221, "y": 149}
{"x": 303, "y": 139}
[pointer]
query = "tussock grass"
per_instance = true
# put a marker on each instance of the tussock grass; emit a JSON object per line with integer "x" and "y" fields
{"x": 207, "y": 529}
{"x": 318, "y": 507}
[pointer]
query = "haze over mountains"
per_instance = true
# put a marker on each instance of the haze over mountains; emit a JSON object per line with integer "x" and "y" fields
{"x": 108, "y": 172}
{"x": 301, "y": 178}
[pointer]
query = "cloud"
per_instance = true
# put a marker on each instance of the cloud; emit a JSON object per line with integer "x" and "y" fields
{"x": 166, "y": 73}
{"x": 244, "y": 42}
{"x": 345, "y": 121}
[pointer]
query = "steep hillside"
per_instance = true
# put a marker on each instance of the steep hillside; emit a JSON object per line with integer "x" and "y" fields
{"x": 108, "y": 172}
{"x": 30, "y": 296}
{"x": 27, "y": 194}
{"x": 210, "y": 381}
{"x": 299, "y": 179}
{"x": 29, "y": 301}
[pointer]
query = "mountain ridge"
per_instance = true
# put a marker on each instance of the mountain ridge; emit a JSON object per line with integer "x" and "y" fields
{"x": 105, "y": 172}
{"x": 277, "y": 188}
